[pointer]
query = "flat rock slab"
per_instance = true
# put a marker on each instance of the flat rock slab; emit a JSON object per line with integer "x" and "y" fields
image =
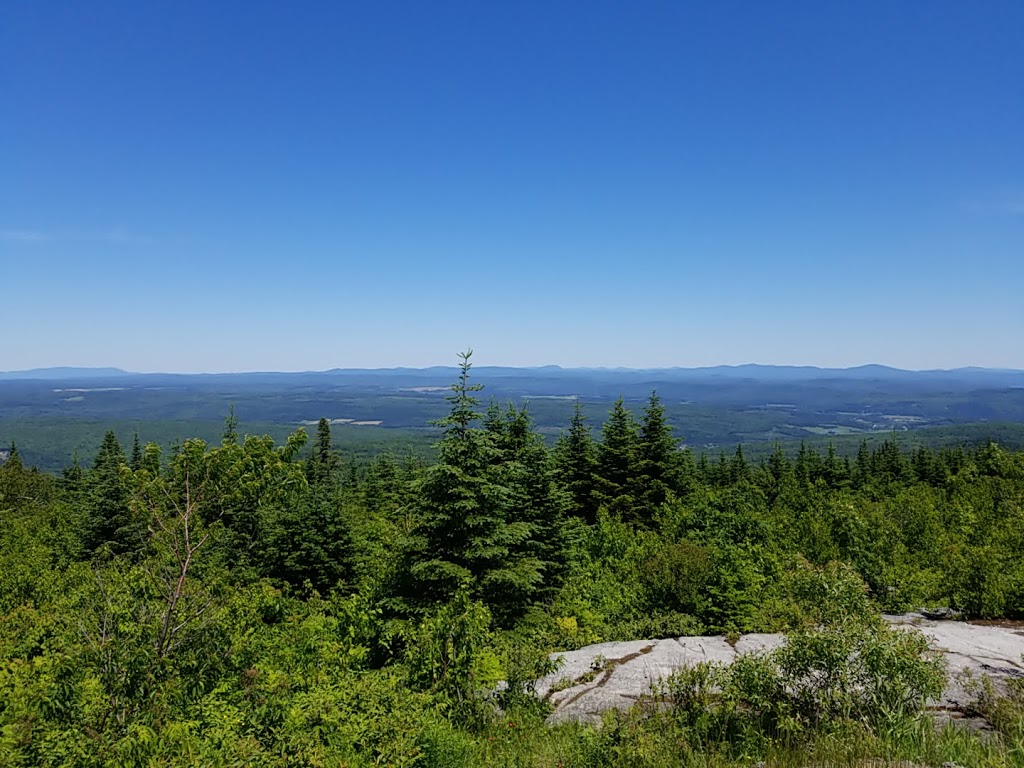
{"x": 970, "y": 651}
{"x": 616, "y": 675}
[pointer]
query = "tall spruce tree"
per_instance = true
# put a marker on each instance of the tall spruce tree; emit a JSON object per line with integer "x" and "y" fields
{"x": 576, "y": 464}
{"x": 111, "y": 524}
{"x": 325, "y": 461}
{"x": 230, "y": 434}
{"x": 658, "y": 464}
{"x": 739, "y": 470}
{"x": 464, "y": 536}
{"x": 835, "y": 469}
{"x": 778, "y": 476}
{"x": 136, "y": 461}
{"x": 71, "y": 477}
{"x": 311, "y": 538}
{"x": 862, "y": 466}
{"x": 618, "y": 457}
{"x": 889, "y": 465}
{"x": 527, "y": 470}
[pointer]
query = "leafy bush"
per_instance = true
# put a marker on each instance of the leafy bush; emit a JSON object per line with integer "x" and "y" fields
{"x": 449, "y": 654}
{"x": 848, "y": 668}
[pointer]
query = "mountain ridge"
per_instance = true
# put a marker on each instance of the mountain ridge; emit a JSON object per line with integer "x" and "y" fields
{"x": 762, "y": 369}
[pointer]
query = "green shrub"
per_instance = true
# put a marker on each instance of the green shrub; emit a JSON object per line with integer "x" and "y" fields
{"x": 848, "y": 668}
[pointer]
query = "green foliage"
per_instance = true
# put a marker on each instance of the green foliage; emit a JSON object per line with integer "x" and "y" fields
{"x": 244, "y": 603}
{"x": 677, "y": 576}
{"x": 576, "y": 463}
{"x": 449, "y": 656}
{"x": 111, "y": 526}
{"x": 847, "y": 670}
{"x": 468, "y": 532}
{"x": 618, "y": 458}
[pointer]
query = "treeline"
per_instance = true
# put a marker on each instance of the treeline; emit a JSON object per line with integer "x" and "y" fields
{"x": 256, "y": 603}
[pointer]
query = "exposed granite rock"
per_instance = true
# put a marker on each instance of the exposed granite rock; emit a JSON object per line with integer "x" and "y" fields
{"x": 616, "y": 675}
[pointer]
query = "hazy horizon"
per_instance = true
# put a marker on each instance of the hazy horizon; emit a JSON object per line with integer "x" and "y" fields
{"x": 118, "y": 370}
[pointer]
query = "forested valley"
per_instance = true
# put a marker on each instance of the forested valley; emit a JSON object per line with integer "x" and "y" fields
{"x": 252, "y": 603}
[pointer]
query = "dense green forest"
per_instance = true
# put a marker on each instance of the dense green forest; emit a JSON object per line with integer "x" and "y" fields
{"x": 257, "y": 602}
{"x": 54, "y": 414}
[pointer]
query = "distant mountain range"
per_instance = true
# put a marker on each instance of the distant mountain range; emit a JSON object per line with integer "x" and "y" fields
{"x": 749, "y": 371}
{"x": 64, "y": 373}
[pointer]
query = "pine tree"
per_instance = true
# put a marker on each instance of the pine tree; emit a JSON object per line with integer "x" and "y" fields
{"x": 720, "y": 471}
{"x": 311, "y": 540}
{"x": 385, "y": 487}
{"x": 704, "y": 471}
{"x": 464, "y": 537}
{"x": 325, "y": 462}
{"x": 808, "y": 466}
{"x": 576, "y": 464}
{"x": 835, "y": 470}
{"x": 230, "y": 434}
{"x": 111, "y": 524}
{"x": 687, "y": 473}
{"x": 71, "y": 477}
{"x": 494, "y": 421}
{"x": 738, "y": 468}
{"x": 777, "y": 476}
{"x": 136, "y": 460}
{"x": 862, "y": 466}
{"x": 658, "y": 464}
{"x": 889, "y": 465}
{"x": 527, "y": 470}
{"x": 618, "y": 457}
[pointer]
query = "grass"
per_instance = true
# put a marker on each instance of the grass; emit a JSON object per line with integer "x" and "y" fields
{"x": 655, "y": 742}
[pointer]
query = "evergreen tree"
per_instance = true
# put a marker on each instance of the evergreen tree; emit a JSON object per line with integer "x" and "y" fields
{"x": 658, "y": 464}
{"x": 779, "y": 466}
{"x": 494, "y": 421}
{"x": 464, "y": 536}
{"x": 808, "y": 466}
{"x": 311, "y": 539}
{"x": 528, "y": 471}
{"x": 325, "y": 462}
{"x": 576, "y": 464}
{"x": 719, "y": 473}
{"x": 687, "y": 474}
{"x": 618, "y": 457}
{"x": 230, "y": 434}
{"x": 836, "y": 471}
{"x": 704, "y": 473}
{"x": 889, "y": 465}
{"x": 386, "y": 487}
{"x": 111, "y": 524}
{"x": 776, "y": 476}
{"x": 739, "y": 470}
{"x": 862, "y": 466}
{"x": 136, "y": 460}
{"x": 71, "y": 477}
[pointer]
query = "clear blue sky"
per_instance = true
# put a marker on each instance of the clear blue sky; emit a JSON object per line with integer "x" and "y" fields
{"x": 222, "y": 186}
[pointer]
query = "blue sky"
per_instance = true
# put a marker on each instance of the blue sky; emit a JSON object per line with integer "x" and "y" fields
{"x": 192, "y": 186}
